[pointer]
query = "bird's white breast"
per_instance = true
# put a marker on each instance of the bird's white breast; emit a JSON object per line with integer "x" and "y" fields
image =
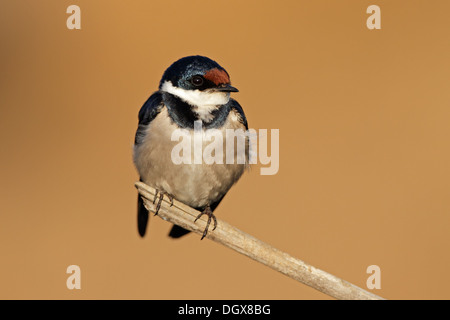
{"x": 193, "y": 184}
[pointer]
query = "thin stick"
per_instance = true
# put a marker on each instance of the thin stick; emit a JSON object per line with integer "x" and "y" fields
{"x": 231, "y": 237}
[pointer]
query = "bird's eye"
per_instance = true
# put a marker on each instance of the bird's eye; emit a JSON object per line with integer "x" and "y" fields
{"x": 197, "y": 81}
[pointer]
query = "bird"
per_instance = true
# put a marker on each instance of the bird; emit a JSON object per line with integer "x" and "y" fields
{"x": 193, "y": 89}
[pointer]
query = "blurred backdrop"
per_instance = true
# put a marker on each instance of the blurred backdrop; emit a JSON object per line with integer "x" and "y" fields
{"x": 363, "y": 115}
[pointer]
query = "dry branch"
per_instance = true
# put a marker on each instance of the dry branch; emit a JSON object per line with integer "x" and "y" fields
{"x": 231, "y": 237}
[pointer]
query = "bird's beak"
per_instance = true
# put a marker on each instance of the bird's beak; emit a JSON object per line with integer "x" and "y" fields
{"x": 227, "y": 88}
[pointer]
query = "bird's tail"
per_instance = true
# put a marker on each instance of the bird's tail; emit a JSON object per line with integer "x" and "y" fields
{"x": 142, "y": 220}
{"x": 177, "y": 232}
{"x": 142, "y": 217}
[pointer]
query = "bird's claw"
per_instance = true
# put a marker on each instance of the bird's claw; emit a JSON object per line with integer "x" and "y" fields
{"x": 161, "y": 197}
{"x": 211, "y": 216}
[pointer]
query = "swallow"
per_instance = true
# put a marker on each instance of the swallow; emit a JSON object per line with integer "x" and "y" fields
{"x": 194, "y": 89}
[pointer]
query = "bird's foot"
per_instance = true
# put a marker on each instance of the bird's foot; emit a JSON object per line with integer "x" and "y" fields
{"x": 161, "y": 197}
{"x": 211, "y": 216}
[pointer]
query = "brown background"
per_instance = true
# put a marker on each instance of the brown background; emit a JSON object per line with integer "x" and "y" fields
{"x": 364, "y": 146}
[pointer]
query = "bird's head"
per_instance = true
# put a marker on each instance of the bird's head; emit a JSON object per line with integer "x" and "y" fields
{"x": 199, "y": 81}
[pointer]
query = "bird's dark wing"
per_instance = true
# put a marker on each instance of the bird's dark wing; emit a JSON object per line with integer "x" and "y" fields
{"x": 148, "y": 112}
{"x": 237, "y": 107}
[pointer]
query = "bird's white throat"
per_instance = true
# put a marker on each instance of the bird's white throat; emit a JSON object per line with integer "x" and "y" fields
{"x": 204, "y": 101}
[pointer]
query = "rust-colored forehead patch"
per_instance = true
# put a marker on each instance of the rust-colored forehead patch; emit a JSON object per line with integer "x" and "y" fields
{"x": 217, "y": 76}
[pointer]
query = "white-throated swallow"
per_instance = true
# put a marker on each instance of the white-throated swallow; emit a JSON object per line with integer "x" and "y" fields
{"x": 194, "y": 88}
